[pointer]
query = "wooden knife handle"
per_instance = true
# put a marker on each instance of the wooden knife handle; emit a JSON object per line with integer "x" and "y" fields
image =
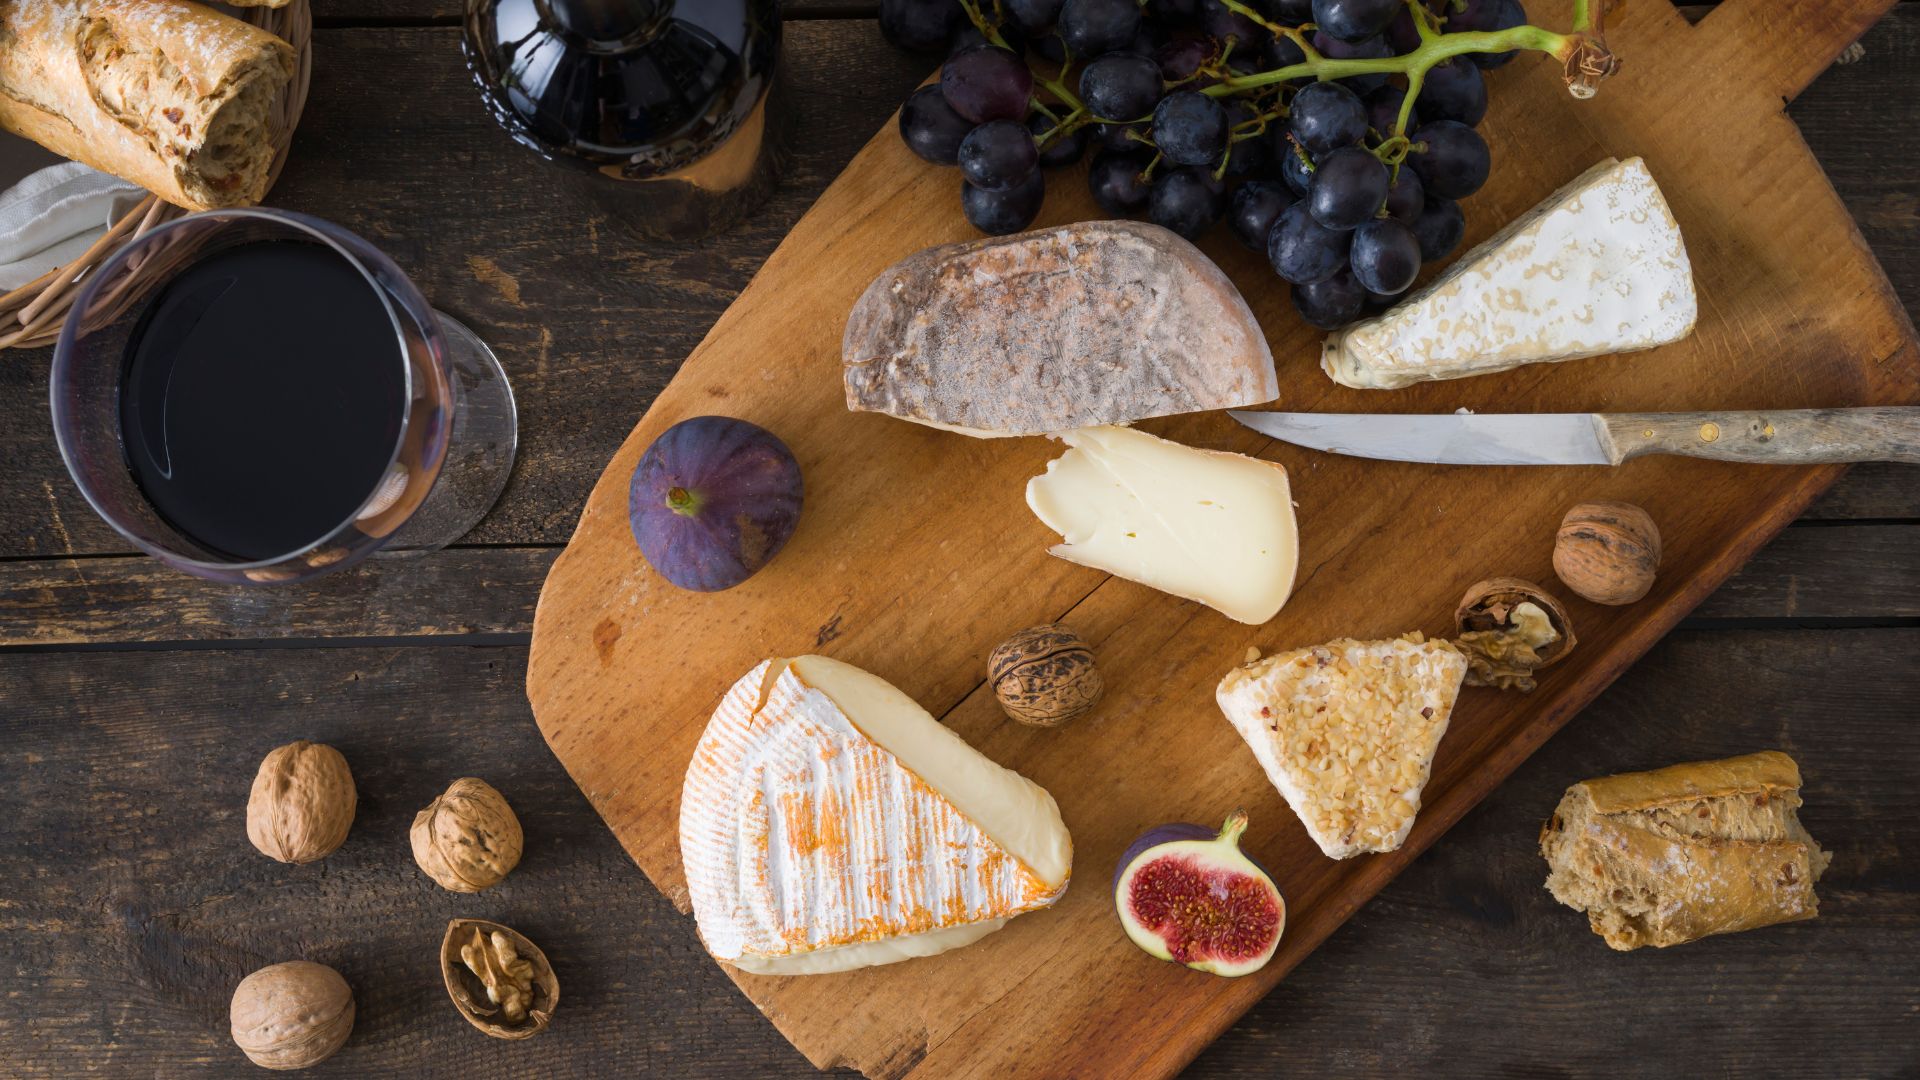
{"x": 1788, "y": 437}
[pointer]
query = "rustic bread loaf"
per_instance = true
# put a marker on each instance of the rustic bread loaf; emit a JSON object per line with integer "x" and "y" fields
{"x": 170, "y": 95}
{"x": 1709, "y": 847}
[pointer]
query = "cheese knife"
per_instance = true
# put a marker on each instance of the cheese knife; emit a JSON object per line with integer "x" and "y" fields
{"x": 1788, "y": 437}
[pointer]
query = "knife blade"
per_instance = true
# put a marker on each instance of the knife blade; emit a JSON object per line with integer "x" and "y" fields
{"x": 1785, "y": 437}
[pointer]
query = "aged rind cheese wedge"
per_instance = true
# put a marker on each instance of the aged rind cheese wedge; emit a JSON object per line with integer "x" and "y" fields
{"x": 1100, "y": 322}
{"x": 1597, "y": 268}
{"x": 828, "y": 822}
{"x": 1347, "y": 732}
{"x": 1213, "y": 527}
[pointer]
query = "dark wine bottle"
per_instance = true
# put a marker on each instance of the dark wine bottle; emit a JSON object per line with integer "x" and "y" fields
{"x": 664, "y": 111}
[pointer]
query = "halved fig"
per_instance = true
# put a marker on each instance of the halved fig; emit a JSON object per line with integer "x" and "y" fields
{"x": 1188, "y": 894}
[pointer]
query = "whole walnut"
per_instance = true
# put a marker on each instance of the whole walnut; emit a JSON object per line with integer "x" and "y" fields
{"x": 1044, "y": 675}
{"x": 467, "y": 839}
{"x": 302, "y": 802}
{"x": 1607, "y": 552}
{"x": 291, "y": 1015}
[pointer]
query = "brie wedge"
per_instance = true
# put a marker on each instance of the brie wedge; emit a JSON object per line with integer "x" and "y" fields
{"x": 1347, "y": 732}
{"x": 1209, "y": 526}
{"x": 828, "y": 822}
{"x": 1597, "y": 268}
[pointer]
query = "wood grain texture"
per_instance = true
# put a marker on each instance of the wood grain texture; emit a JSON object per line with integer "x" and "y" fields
{"x": 1858, "y": 571}
{"x": 1777, "y": 437}
{"x": 134, "y": 903}
{"x": 624, "y": 669}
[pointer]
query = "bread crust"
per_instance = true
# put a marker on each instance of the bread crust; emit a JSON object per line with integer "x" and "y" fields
{"x": 1669, "y": 856}
{"x": 167, "y": 94}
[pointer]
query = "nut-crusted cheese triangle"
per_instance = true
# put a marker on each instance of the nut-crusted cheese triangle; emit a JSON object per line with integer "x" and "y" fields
{"x": 1347, "y": 732}
{"x": 828, "y": 822}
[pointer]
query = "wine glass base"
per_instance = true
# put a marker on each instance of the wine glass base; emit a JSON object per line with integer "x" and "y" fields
{"x": 481, "y": 445}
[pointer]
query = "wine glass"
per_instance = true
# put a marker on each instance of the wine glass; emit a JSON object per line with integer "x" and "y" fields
{"x": 436, "y": 462}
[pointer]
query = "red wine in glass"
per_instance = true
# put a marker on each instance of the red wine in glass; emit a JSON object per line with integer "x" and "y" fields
{"x": 254, "y": 395}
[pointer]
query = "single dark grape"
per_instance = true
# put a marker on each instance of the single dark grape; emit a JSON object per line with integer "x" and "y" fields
{"x": 1120, "y": 136}
{"x": 1349, "y": 186}
{"x": 1282, "y": 52}
{"x": 998, "y": 213}
{"x": 1173, "y": 13}
{"x": 1190, "y": 128}
{"x": 998, "y": 155}
{"x": 1049, "y": 47}
{"x": 1454, "y": 90}
{"x": 1383, "y": 110}
{"x": 1406, "y": 197}
{"x": 1402, "y": 35}
{"x": 1302, "y": 250}
{"x": 1439, "y": 229}
{"x": 1373, "y": 48}
{"x": 1253, "y": 209}
{"x": 1326, "y": 115}
{"x": 1093, "y": 27}
{"x": 1385, "y": 256}
{"x": 1064, "y": 149}
{"x": 1292, "y": 12}
{"x": 1121, "y": 86}
{"x": 987, "y": 83}
{"x": 1353, "y": 20}
{"x": 1147, "y": 39}
{"x": 1114, "y": 178}
{"x": 921, "y": 26}
{"x": 1332, "y": 303}
{"x": 1180, "y": 58}
{"x": 967, "y": 35}
{"x": 930, "y": 127}
{"x": 1187, "y": 200}
{"x": 1219, "y": 22}
{"x": 1488, "y": 15}
{"x": 1033, "y": 16}
{"x": 1294, "y": 168}
{"x": 1451, "y": 158}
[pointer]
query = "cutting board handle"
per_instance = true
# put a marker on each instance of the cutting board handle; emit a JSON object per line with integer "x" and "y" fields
{"x": 1784, "y": 44}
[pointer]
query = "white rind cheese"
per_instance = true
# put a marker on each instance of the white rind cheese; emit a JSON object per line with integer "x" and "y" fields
{"x": 1212, "y": 527}
{"x": 1347, "y": 731}
{"x": 828, "y": 822}
{"x": 1597, "y": 268}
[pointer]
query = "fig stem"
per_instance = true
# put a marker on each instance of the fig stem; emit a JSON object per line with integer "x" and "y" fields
{"x": 683, "y": 502}
{"x": 1235, "y": 826}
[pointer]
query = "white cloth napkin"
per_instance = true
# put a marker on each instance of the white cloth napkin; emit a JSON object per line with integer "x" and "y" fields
{"x": 50, "y": 217}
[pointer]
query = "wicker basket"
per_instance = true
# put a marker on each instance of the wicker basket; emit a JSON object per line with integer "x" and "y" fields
{"x": 30, "y": 316}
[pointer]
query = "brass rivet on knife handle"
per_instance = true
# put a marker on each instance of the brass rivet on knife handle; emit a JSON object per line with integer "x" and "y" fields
{"x": 1786, "y": 437}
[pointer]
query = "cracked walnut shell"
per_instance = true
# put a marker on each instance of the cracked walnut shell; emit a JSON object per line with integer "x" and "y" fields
{"x": 291, "y": 1015}
{"x": 1510, "y": 628}
{"x": 1044, "y": 676}
{"x": 467, "y": 839}
{"x": 500, "y": 981}
{"x": 302, "y": 803}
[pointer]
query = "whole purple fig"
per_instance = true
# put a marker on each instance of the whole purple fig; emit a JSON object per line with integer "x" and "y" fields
{"x": 713, "y": 500}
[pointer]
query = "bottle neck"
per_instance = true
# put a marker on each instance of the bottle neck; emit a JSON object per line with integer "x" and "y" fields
{"x": 606, "y": 26}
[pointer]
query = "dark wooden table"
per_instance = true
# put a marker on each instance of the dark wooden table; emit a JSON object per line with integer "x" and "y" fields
{"x": 135, "y": 703}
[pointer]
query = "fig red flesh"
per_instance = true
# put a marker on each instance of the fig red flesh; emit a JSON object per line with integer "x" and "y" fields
{"x": 713, "y": 500}
{"x": 1188, "y": 894}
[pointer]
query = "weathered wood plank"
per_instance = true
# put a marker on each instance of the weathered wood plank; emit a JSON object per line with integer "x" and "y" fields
{"x": 135, "y": 903}
{"x": 1838, "y": 572}
{"x": 591, "y": 323}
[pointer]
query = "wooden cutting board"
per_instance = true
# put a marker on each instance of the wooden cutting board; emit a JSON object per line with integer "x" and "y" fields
{"x": 916, "y": 554}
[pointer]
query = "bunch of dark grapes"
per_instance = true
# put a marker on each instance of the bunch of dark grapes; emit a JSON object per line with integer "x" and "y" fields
{"x": 1308, "y": 172}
